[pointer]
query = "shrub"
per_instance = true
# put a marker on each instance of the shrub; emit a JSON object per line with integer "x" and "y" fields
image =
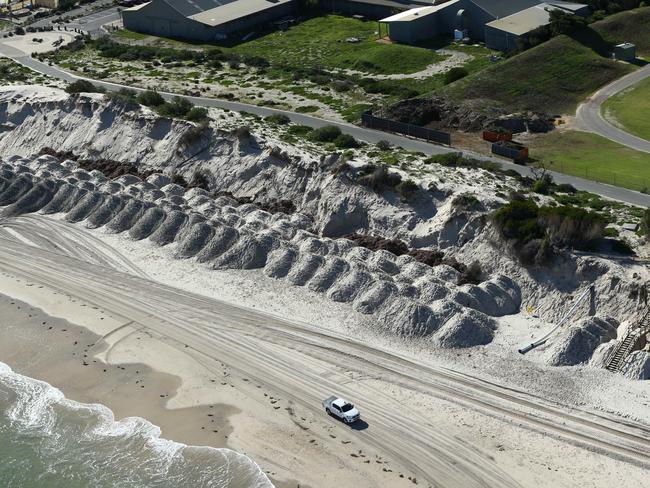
{"x": 465, "y": 201}
{"x": 565, "y": 188}
{"x": 277, "y": 119}
{"x": 533, "y": 231}
{"x": 200, "y": 179}
{"x": 380, "y": 179}
{"x": 179, "y": 180}
{"x": 299, "y": 130}
{"x": 407, "y": 189}
{"x": 179, "y": 107}
{"x": 543, "y": 185}
{"x": 193, "y": 135}
{"x": 455, "y": 74}
{"x": 197, "y": 114}
{"x": 346, "y": 141}
{"x": 82, "y": 86}
{"x": 471, "y": 274}
{"x": 151, "y": 98}
{"x": 645, "y": 223}
{"x": 19, "y": 31}
{"x": 383, "y": 145}
{"x": 327, "y": 133}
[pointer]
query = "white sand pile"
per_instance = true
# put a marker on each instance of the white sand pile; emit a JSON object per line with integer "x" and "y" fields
{"x": 35, "y": 199}
{"x": 407, "y": 298}
{"x": 60, "y": 198}
{"x": 150, "y": 221}
{"x": 128, "y": 216}
{"x": 111, "y": 206}
{"x": 465, "y": 328}
{"x": 637, "y": 366}
{"x": 223, "y": 239}
{"x": 169, "y": 229}
{"x": 247, "y": 253}
{"x": 18, "y": 187}
{"x": 577, "y": 344}
{"x": 85, "y": 206}
{"x": 304, "y": 269}
{"x": 280, "y": 262}
{"x": 194, "y": 240}
{"x": 326, "y": 276}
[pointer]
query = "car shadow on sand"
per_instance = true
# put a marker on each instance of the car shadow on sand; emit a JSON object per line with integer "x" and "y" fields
{"x": 359, "y": 425}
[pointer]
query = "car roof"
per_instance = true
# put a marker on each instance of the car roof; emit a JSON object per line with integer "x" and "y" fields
{"x": 340, "y": 402}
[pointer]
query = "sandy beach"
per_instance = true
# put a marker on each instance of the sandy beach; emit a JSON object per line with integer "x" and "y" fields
{"x": 199, "y": 400}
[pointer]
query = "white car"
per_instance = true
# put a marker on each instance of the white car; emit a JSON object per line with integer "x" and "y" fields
{"x": 341, "y": 409}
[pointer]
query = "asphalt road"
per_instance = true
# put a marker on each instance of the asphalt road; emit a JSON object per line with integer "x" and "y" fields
{"x": 286, "y": 357}
{"x": 589, "y": 115}
{"x": 361, "y": 133}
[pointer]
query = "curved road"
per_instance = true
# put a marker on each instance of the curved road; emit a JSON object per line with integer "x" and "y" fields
{"x": 589, "y": 115}
{"x": 362, "y": 133}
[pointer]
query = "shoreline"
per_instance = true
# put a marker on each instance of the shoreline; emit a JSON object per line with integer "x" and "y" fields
{"x": 285, "y": 439}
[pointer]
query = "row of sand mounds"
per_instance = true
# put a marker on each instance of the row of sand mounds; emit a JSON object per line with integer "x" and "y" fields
{"x": 407, "y": 297}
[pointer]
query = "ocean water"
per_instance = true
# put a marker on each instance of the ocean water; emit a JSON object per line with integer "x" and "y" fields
{"x": 49, "y": 441}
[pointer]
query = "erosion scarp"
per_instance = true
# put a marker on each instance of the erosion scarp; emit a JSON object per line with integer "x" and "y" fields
{"x": 406, "y": 297}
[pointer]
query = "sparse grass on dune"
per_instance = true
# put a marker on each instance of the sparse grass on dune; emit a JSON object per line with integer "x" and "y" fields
{"x": 629, "y": 26}
{"x": 552, "y": 77}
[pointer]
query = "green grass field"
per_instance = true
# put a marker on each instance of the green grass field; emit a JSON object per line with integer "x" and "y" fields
{"x": 320, "y": 42}
{"x": 630, "y": 109}
{"x": 629, "y": 26}
{"x": 593, "y": 157}
{"x": 554, "y": 77}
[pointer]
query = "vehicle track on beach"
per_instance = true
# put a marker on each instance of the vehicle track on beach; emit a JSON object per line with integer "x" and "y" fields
{"x": 284, "y": 356}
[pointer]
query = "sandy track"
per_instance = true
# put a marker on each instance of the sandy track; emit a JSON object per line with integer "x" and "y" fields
{"x": 288, "y": 358}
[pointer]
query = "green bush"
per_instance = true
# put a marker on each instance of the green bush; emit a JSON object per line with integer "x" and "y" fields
{"x": 379, "y": 178}
{"x": 299, "y": 130}
{"x": 346, "y": 141}
{"x": 455, "y": 74}
{"x": 327, "y": 133}
{"x": 178, "y": 108}
{"x": 407, "y": 189}
{"x": 197, "y": 114}
{"x": 278, "y": 119}
{"x": 534, "y": 231}
{"x": 383, "y": 145}
{"x": 151, "y": 98}
{"x": 82, "y": 86}
{"x": 645, "y": 224}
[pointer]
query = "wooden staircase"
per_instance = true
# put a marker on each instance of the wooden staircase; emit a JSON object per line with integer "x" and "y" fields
{"x": 617, "y": 359}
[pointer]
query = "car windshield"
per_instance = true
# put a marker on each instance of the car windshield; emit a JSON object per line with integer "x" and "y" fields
{"x": 347, "y": 407}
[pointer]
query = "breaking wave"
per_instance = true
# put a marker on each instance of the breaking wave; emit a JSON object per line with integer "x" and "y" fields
{"x": 48, "y": 440}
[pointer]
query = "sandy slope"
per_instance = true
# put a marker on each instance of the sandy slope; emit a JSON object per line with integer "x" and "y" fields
{"x": 461, "y": 431}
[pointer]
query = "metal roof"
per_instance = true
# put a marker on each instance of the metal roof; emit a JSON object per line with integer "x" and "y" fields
{"x": 503, "y": 8}
{"x": 531, "y": 18}
{"x": 232, "y": 10}
{"x": 417, "y": 13}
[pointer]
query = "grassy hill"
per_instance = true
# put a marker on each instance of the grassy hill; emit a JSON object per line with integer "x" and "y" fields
{"x": 629, "y": 26}
{"x": 552, "y": 77}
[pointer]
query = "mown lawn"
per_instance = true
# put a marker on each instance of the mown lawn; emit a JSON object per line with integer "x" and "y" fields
{"x": 631, "y": 109}
{"x": 593, "y": 157}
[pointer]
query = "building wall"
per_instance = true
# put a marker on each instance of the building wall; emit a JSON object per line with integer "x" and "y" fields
{"x": 500, "y": 40}
{"x": 350, "y": 7}
{"x": 159, "y": 19}
{"x": 442, "y": 22}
